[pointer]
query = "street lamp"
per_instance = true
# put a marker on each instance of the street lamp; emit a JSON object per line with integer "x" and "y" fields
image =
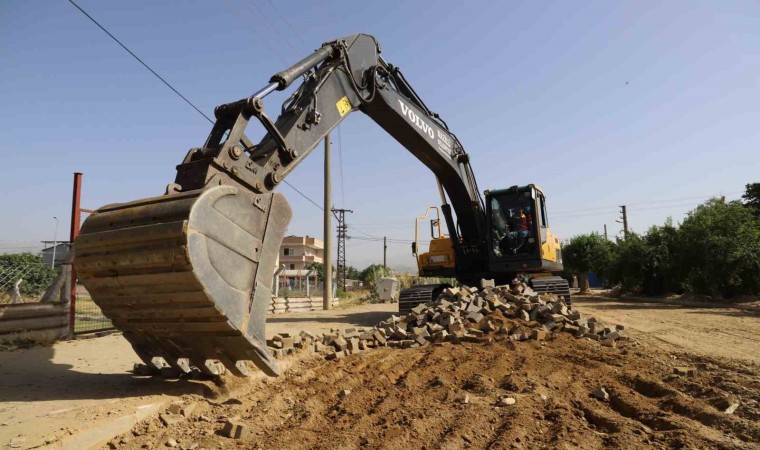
{"x": 55, "y": 242}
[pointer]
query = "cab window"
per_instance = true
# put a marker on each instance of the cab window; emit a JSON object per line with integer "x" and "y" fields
{"x": 512, "y": 222}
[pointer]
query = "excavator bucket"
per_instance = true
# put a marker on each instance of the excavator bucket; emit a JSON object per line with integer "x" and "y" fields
{"x": 187, "y": 277}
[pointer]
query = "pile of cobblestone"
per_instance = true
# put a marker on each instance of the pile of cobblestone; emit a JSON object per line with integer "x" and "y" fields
{"x": 464, "y": 314}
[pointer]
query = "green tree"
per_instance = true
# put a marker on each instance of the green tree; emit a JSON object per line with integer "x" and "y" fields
{"x": 36, "y": 275}
{"x": 628, "y": 267}
{"x": 352, "y": 273}
{"x": 715, "y": 251}
{"x": 648, "y": 263}
{"x": 373, "y": 272}
{"x": 752, "y": 196}
{"x": 663, "y": 272}
{"x": 588, "y": 253}
{"x": 720, "y": 249}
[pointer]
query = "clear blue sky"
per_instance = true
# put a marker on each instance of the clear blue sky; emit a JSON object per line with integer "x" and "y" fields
{"x": 536, "y": 91}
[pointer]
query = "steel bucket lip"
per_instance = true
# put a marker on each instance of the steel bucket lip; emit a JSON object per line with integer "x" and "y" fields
{"x": 171, "y": 197}
{"x": 237, "y": 331}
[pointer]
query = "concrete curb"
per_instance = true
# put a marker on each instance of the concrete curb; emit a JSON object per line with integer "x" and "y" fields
{"x": 99, "y": 435}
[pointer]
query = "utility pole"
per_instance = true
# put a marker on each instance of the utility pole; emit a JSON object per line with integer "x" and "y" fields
{"x": 385, "y": 252}
{"x": 55, "y": 242}
{"x": 327, "y": 290}
{"x": 605, "y": 232}
{"x": 340, "y": 216}
{"x": 624, "y": 215}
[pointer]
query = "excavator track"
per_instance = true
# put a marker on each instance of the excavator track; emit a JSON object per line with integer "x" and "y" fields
{"x": 417, "y": 295}
{"x": 187, "y": 277}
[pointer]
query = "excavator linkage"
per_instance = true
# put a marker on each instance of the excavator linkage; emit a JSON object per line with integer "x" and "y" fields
{"x": 187, "y": 276}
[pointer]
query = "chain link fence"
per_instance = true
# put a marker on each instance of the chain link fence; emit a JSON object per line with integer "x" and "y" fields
{"x": 23, "y": 279}
{"x": 88, "y": 316}
{"x": 299, "y": 287}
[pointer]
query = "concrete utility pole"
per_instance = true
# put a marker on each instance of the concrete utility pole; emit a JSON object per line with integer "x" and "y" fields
{"x": 625, "y": 221}
{"x": 605, "y": 232}
{"x": 327, "y": 291}
{"x": 385, "y": 252}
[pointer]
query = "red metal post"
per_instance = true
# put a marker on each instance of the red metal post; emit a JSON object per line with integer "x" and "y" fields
{"x": 76, "y": 214}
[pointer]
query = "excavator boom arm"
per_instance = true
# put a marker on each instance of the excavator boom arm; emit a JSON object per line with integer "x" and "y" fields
{"x": 188, "y": 276}
{"x": 342, "y": 76}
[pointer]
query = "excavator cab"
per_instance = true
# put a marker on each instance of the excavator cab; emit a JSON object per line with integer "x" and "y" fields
{"x": 518, "y": 231}
{"x": 518, "y": 236}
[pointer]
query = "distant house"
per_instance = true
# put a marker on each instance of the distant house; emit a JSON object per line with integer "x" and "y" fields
{"x": 298, "y": 251}
{"x": 61, "y": 252}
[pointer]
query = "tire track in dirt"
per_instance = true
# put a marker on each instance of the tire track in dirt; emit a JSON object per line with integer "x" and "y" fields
{"x": 412, "y": 398}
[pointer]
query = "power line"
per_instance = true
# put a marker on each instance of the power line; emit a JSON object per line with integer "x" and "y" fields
{"x": 610, "y": 212}
{"x": 304, "y": 195}
{"x": 141, "y": 61}
{"x": 277, "y": 11}
{"x": 267, "y": 20}
{"x": 386, "y": 226}
{"x": 252, "y": 30}
{"x": 380, "y": 239}
{"x": 383, "y": 223}
{"x": 364, "y": 233}
{"x": 172, "y": 87}
{"x": 560, "y": 212}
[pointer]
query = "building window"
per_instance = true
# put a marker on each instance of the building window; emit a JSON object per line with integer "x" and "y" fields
{"x": 287, "y": 251}
{"x": 292, "y": 267}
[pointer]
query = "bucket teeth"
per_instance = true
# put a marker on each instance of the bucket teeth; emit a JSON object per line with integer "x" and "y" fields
{"x": 159, "y": 362}
{"x": 187, "y": 277}
{"x": 184, "y": 365}
{"x": 212, "y": 367}
{"x": 241, "y": 369}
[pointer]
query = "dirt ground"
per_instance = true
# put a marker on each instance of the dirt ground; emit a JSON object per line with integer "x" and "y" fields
{"x": 705, "y": 330}
{"x": 51, "y": 393}
{"x": 413, "y": 398}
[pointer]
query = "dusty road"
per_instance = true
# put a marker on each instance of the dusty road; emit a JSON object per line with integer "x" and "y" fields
{"x": 724, "y": 332}
{"x": 400, "y": 396}
{"x": 52, "y": 393}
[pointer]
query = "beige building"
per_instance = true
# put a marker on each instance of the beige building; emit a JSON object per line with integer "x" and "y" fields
{"x": 298, "y": 251}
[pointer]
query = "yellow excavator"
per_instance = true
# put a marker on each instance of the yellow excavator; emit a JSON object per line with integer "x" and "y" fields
{"x": 521, "y": 242}
{"x": 187, "y": 276}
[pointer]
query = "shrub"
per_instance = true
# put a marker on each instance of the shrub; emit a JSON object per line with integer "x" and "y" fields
{"x": 36, "y": 275}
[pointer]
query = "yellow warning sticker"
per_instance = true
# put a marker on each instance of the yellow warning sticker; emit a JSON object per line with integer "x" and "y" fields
{"x": 344, "y": 106}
